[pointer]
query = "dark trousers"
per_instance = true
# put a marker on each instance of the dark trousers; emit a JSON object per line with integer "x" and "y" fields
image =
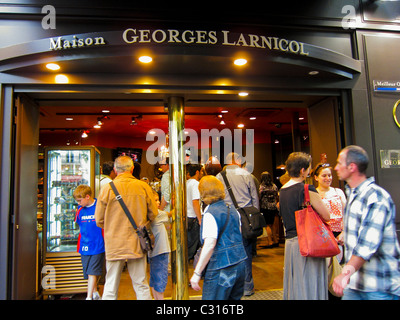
{"x": 193, "y": 237}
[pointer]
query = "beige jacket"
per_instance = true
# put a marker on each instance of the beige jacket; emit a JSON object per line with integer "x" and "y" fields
{"x": 121, "y": 240}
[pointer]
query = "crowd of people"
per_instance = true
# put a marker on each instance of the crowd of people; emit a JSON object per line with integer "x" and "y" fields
{"x": 362, "y": 220}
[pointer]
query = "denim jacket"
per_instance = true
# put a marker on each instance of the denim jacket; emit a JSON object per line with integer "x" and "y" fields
{"x": 229, "y": 249}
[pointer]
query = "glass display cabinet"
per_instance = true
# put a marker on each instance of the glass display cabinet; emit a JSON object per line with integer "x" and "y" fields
{"x": 65, "y": 169}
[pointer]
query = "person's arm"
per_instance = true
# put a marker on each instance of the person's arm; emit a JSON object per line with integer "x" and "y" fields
{"x": 196, "y": 208}
{"x": 101, "y": 207}
{"x": 342, "y": 280}
{"x": 319, "y": 206}
{"x": 206, "y": 252}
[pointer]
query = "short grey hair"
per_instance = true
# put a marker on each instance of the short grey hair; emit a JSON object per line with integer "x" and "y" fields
{"x": 123, "y": 164}
{"x": 357, "y": 155}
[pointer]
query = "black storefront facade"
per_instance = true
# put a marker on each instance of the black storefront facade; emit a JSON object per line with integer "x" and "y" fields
{"x": 348, "y": 51}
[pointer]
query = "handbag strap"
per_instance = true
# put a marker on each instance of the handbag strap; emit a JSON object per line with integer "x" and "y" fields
{"x": 306, "y": 195}
{"x": 123, "y": 205}
{"x": 228, "y": 187}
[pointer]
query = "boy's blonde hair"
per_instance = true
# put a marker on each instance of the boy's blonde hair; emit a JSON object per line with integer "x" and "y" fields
{"x": 82, "y": 191}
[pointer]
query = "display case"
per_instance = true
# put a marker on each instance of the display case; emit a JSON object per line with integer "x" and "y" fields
{"x": 65, "y": 169}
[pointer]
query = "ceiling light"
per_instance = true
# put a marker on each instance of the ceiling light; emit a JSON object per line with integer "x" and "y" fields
{"x": 53, "y": 66}
{"x": 222, "y": 122}
{"x": 69, "y": 119}
{"x": 84, "y": 134}
{"x": 224, "y": 111}
{"x": 253, "y": 118}
{"x": 105, "y": 111}
{"x": 60, "y": 78}
{"x": 240, "y": 62}
{"x": 313, "y": 73}
{"x": 97, "y": 126}
{"x": 145, "y": 59}
{"x": 240, "y": 125}
{"x": 301, "y": 118}
{"x": 243, "y": 94}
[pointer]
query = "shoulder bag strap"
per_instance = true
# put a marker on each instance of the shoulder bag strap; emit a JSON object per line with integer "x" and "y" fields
{"x": 306, "y": 195}
{"x": 228, "y": 187}
{"x": 123, "y": 205}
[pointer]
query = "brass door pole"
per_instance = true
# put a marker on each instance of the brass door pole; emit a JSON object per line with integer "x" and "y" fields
{"x": 179, "y": 255}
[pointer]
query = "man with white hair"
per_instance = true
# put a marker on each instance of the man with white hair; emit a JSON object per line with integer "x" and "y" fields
{"x": 246, "y": 195}
{"x": 121, "y": 241}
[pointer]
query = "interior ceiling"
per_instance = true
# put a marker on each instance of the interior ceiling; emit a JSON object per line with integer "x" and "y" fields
{"x": 273, "y": 113}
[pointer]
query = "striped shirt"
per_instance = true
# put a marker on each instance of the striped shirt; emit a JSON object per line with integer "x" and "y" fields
{"x": 370, "y": 233}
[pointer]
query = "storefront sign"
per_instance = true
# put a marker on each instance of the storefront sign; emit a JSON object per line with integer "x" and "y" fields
{"x": 386, "y": 86}
{"x": 390, "y": 158}
{"x": 396, "y": 120}
{"x": 172, "y": 36}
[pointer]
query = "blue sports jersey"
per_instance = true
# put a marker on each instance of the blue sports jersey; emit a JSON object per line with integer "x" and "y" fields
{"x": 91, "y": 239}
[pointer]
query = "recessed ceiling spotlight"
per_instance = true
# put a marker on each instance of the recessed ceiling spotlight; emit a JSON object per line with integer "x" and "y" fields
{"x": 60, "y": 78}
{"x": 69, "y": 119}
{"x": 105, "y": 111}
{"x": 313, "y": 73}
{"x": 243, "y": 94}
{"x": 240, "y": 125}
{"x": 145, "y": 59}
{"x": 240, "y": 62}
{"x": 224, "y": 111}
{"x": 97, "y": 126}
{"x": 253, "y": 118}
{"x": 53, "y": 66}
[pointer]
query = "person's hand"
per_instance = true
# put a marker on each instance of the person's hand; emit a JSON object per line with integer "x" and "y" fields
{"x": 194, "y": 282}
{"x": 342, "y": 280}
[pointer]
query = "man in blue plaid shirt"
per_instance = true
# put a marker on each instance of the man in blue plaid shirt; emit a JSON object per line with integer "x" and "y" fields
{"x": 372, "y": 271}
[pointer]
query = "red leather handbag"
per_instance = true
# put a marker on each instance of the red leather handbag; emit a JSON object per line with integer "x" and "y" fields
{"x": 315, "y": 236}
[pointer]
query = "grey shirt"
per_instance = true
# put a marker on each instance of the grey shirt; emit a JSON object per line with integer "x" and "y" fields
{"x": 243, "y": 187}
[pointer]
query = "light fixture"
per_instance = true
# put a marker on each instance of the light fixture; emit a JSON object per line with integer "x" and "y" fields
{"x": 224, "y": 111}
{"x": 61, "y": 78}
{"x": 105, "y": 111}
{"x": 145, "y": 59}
{"x": 53, "y": 66}
{"x": 243, "y": 94}
{"x": 84, "y": 134}
{"x": 252, "y": 118}
{"x": 313, "y": 73}
{"x": 240, "y": 62}
{"x": 222, "y": 122}
{"x": 240, "y": 125}
{"x": 69, "y": 119}
{"x": 97, "y": 126}
{"x": 133, "y": 121}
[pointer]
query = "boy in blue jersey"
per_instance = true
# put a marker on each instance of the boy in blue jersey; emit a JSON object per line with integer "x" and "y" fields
{"x": 90, "y": 241}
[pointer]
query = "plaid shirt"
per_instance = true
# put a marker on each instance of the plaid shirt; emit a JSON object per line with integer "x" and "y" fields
{"x": 370, "y": 233}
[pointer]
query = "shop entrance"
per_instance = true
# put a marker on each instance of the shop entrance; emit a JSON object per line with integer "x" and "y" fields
{"x": 281, "y": 124}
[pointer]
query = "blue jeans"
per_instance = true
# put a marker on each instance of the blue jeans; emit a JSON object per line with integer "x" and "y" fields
{"x": 249, "y": 283}
{"x": 350, "y": 294}
{"x": 224, "y": 284}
